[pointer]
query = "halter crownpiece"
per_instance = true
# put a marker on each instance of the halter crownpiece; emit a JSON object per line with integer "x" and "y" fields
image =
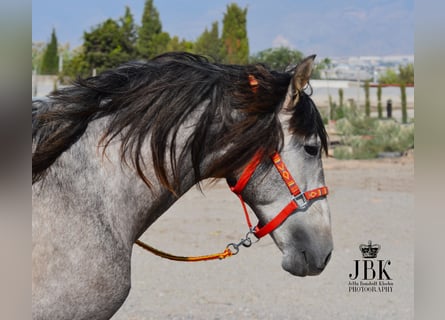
{"x": 298, "y": 200}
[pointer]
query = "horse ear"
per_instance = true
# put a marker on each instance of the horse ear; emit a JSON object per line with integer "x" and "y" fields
{"x": 302, "y": 73}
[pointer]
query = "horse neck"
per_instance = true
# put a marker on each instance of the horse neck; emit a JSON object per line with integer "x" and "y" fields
{"x": 100, "y": 183}
{"x": 153, "y": 202}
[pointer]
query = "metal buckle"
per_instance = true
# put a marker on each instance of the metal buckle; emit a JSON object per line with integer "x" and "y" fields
{"x": 300, "y": 200}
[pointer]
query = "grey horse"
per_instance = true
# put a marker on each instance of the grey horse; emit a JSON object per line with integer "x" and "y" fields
{"x": 113, "y": 152}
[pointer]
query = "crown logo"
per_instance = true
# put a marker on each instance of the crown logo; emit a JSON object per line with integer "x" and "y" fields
{"x": 369, "y": 250}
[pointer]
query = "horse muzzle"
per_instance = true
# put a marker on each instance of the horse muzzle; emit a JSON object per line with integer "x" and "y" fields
{"x": 305, "y": 263}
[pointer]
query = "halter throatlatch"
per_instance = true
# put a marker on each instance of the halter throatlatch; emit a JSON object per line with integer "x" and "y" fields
{"x": 299, "y": 199}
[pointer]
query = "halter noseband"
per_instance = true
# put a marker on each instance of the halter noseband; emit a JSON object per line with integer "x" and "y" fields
{"x": 299, "y": 199}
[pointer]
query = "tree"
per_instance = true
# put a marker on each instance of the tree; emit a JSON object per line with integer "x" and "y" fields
{"x": 151, "y": 40}
{"x": 50, "y": 59}
{"x": 129, "y": 33}
{"x": 179, "y": 45}
{"x": 209, "y": 43}
{"x": 77, "y": 66}
{"x": 278, "y": 58}
{"x": 389, "y": 77}
{"x": 404, "y": 75}
{"x": 235, "y": 45}
{"x": 105, "y": 46}
{"x": 38, "y": 50}
{"x": 319, "y": 67}
{"x": 160, "y": 44}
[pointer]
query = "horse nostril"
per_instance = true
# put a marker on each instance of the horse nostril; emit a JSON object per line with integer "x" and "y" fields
{"x": 327, "y": 258}
{"x": 305, "y": 257}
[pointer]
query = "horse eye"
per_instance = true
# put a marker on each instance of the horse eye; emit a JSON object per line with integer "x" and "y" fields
{"x": 312, "y": 150}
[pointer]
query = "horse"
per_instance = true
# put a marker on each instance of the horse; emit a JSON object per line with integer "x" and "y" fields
{"x": 112, "y": 152}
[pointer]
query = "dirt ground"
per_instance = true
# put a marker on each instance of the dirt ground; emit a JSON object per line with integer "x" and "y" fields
{"x": 369, "y": 200}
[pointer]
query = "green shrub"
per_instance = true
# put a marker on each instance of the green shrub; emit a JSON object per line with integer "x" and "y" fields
{"x": 343, "y": 152}
{"x": 364, "y": 138}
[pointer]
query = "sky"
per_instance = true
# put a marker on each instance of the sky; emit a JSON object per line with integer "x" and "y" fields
{"x": 327, "y": 28}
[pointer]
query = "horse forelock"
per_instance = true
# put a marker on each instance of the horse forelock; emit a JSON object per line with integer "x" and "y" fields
{"x": 306, "y": 120}
{"x": 155, "y": 98}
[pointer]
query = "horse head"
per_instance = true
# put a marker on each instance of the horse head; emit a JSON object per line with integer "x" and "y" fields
{"x": 303, "y": 233}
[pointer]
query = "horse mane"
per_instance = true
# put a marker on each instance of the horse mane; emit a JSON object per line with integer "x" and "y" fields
{"x": 155, "y": 98}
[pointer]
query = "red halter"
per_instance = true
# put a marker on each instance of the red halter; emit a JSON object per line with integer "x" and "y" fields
{"x": 299, "y": 199}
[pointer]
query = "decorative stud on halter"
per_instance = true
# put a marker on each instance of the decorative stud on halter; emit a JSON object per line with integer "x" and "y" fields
{"x": 253, "y": 83}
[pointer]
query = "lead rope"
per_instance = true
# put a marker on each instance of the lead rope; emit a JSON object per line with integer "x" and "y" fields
{"x": 222, "y": 255}
{"x": 245, "y": 242}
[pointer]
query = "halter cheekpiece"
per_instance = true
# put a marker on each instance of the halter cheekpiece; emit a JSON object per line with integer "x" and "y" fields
{"x": 299, "y": 199}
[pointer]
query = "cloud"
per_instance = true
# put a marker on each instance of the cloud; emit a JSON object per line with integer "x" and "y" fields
{"x": 281, "y": 41}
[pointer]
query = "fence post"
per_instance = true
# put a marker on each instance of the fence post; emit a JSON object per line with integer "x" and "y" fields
{"x": 403, "y": 98}
{"x": 389, "y": 108}
{"x": 367, "y": 100}
{"x": 379, "y": 101}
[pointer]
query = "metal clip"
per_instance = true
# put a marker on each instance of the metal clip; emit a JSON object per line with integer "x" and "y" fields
{"x": 235, "y": 248}
{"x": 252, "y": 232}
{"x": 245, "y": 242}
{"x": 300, "y": 200}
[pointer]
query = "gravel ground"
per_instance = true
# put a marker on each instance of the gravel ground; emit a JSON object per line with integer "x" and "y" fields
{"x": 369, "y": 200}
